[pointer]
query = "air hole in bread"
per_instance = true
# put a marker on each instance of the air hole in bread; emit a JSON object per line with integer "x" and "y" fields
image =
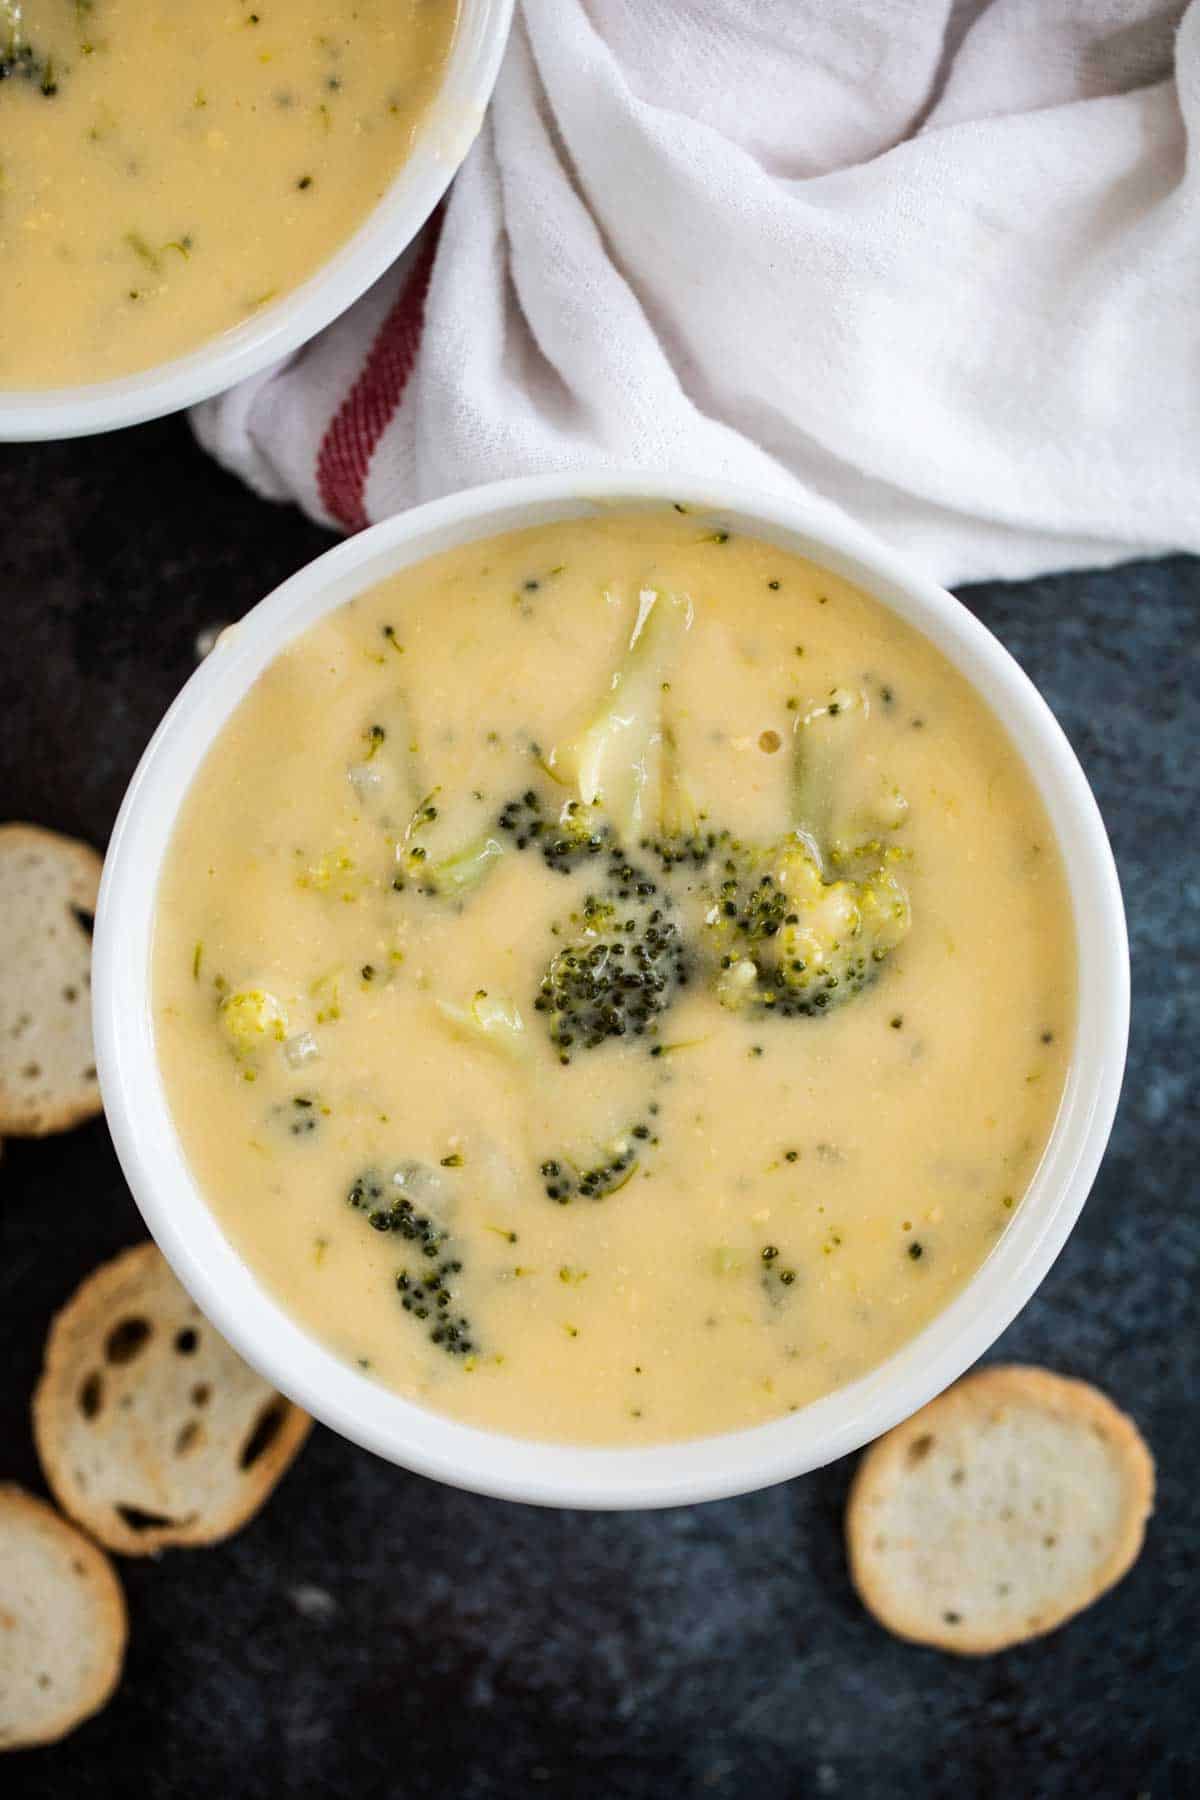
{"x": 952, "y": 1618}
{"x": 191, "y": 1437}
{"x": 31, "y": 1071}
{"x": 187, "y": 1341}
{"x": 263, "y": 1432}
{"x": 201, "y": 1394}
{"x": 1049, "y": 1540}
{"x": 70, "y": 995}
{"x": 44, "y": 1681}
{"x": 91, "y": 1395}
{"x": 957, "y": 1477}
{"x": 83, "y": 919}
{"x": 137, "y": 1520}
{"x": 919, "y": 1449}
{"x": 127, "y": 1340}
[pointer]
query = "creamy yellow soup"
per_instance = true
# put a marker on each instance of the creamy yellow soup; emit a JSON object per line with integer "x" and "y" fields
{"x": 614, "y": 982}
{"x": 167, "y": 169}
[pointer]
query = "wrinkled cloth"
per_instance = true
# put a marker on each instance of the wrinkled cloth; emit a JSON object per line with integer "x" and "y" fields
{"x": 934, "y": 262}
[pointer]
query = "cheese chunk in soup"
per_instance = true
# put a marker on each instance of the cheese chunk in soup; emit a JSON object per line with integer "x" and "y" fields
{"x": 614, "y": 982}
{"x": 169, "y": 167}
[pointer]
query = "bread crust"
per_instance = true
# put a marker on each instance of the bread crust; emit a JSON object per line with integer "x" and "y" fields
{"x": 76, "y": 1344}
{"x": 974, "y": 1398}
{"x": 85, "y": 866}
{"x": 108, "y": 1599}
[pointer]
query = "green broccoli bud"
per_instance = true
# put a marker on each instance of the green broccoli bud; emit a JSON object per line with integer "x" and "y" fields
{"x": 620, "y": 972}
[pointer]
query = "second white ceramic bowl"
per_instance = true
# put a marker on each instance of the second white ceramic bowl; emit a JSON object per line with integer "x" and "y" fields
{"x": 443, "y": 139}
{"x": 567, "y": 1475}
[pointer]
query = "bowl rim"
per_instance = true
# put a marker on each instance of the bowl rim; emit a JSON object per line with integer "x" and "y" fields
{"x": 348, "y": 1400}
{"x": 449, "y": 128}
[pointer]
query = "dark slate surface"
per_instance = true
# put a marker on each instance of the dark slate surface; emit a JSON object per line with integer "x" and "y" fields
{"x": 372, "y": 1633}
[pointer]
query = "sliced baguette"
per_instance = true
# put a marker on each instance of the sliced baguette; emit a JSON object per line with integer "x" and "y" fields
{"x": 62, "y": 1624}
{"x": 48, "y": 887}
{"x": 151, "y": 1430}
{"x": 997, "y": 1512}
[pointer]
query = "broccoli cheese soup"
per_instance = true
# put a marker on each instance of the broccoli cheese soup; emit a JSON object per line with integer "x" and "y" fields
{"x": 613, "y": 982}
{"x": 166, "y": 170}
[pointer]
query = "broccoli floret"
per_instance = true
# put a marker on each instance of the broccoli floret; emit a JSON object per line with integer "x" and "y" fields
{"x": 251, "y": 1018}
{"x": 790, "y": 942}
{"x": 429, "y": 1296}
{"x": 577, "y": 834}
{"x": 399, "y": 1201}
{"x": 805, "y": 924}
{"x": 615, "y": 761}
{"x": 622, "y": 969}
{"x": 599, "y": 1175}
{"x": 19, "y": 61}
{"x": 396, "y": 1203}
{"x": 564, "y": 841}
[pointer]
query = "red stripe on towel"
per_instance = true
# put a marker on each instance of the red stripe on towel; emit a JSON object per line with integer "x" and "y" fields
{"x": 344, "y": 458}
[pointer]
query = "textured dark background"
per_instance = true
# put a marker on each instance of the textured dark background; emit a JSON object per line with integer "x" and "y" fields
{"x": 373, "y": 1634}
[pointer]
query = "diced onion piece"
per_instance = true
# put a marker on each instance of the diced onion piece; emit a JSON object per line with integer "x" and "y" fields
{"x": 364, "y": 779}
{"x": 301, "y": 1049}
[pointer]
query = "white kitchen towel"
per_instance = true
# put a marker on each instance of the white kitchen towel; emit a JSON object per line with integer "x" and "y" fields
{"x": 933, "y": 260}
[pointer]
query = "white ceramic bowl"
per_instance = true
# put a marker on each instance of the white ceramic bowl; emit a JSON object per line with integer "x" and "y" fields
{"x": 447, "y": 133}
{"x": 229, "y": 1292}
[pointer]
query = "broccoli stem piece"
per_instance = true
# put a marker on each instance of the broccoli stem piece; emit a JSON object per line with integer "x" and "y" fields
{"x": 452, "y": 876}
{"x": 615, "y": 760}
{"x": 679, "y": 819}
{"x": 461, "y": 873}
{"x": 822, "y": 737}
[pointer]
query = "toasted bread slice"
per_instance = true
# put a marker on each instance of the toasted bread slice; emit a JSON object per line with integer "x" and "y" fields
{"x": 48, "y": 887}
{"x": 151, "y": 1430}
{"x": 998, "y": 1511}
{"x": 62, "y": 1624}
